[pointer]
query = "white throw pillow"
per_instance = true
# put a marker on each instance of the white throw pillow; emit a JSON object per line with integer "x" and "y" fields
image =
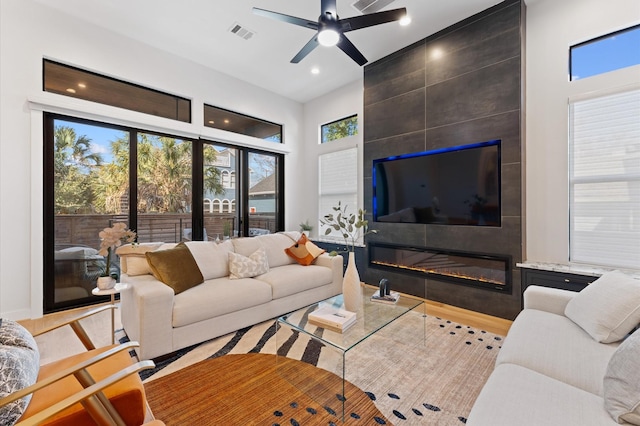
{"x": 212, "y": 258}
{"x": 133, "y": 260}
{"x": 622, "y": 382}
{"x": 246, "y": 267}
{"x": 608, "y": 308}
{"x": 135, "y": 265}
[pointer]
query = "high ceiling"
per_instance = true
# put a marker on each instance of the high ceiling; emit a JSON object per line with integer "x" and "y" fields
{"x": 200, "y": 30}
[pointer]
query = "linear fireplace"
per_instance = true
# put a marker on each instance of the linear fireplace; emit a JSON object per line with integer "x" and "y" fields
{"x": 492, "y": 272}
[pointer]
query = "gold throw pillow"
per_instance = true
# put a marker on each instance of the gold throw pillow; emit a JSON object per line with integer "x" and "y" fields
{"x": 175, "y": 267}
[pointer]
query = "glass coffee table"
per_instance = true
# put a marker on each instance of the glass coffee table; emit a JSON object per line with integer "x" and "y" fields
{"x": 373, "y": 318}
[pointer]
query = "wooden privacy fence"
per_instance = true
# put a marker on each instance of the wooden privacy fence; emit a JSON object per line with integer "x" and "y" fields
{"x": 82, "y": 230}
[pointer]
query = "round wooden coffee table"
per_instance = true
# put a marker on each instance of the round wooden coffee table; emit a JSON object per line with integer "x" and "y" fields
{"x": 251, "y": 389}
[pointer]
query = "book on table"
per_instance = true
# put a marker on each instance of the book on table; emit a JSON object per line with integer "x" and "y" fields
{"x": 331, "y": 318}
{"x": 390, "y": 299}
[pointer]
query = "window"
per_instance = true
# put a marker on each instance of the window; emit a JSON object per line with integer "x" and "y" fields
{"x": 338, "y": 182}
{"x": 219, "y": 164}
{"x": 77, "y": 83}
{"x": 219, "y": 118}
{"x": 603, "y": 54}
{"x": 339, "y": 129}
{"x": 87, "y": 189}
{"x": 265, "y": 199}
{"x": 164, "y": 187}
{"x": 605, "y": 180}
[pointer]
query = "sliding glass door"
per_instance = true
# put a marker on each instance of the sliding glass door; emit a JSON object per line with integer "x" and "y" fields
{"x": 220, "y": 194}
{"x": 87, "y": 190}
{"x": 166, "y": 188}
{"x": 263, "y": 193}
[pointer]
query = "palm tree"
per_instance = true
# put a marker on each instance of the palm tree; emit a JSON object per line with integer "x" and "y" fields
{"x": 73, "y": 163}
{"x": 112, "y": 180}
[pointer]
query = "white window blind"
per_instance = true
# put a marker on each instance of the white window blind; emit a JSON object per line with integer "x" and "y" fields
{"x": 338, "y": 182}
{"x": 605, "y": 180}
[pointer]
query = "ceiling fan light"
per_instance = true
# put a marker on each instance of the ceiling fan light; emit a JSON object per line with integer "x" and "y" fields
{"x": 328, "y": 37}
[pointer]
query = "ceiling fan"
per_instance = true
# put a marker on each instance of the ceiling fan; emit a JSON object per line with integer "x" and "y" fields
{"x": 330, "y": 28}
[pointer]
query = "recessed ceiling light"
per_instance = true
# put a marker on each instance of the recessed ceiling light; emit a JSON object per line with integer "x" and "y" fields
{"x": 211, "y": 122}
{"x": 315, "y": 70}
{"x": 226, "y": 121}
{"x": 436, "y": 53}
{"x": 405, "y": 21}
{"x": 70, "y": 90}
{"x": 82, "y": 85}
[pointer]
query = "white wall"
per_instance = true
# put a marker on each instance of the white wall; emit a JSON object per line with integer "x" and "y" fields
{"x": 343, "y": 102}
{"x": 29, "y": 32}
{"x": 552, "y": 27}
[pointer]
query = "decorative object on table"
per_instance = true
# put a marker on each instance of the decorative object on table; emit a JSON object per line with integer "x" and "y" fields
{"x": 390, "y": 299}
{"x": 385, "y": 287}
{"x": 352, "y": 227}
{"x": 351, "y": 288}
{"x": 334, "y": 319}
{"x": 106, "y": 283}
{"x": 110, "y": 239}
{"x": 305, "y": 227}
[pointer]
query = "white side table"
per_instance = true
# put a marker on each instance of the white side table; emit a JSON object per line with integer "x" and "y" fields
{"x": 112, "y": 292}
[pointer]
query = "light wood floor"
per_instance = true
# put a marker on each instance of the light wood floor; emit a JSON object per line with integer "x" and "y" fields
{"x": 63, "y": 342}
{"x": 464, "y": 316}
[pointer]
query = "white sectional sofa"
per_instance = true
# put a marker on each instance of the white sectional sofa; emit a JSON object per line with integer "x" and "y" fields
{"x": 163, "y": 321}
{"x": 556, "y": 367}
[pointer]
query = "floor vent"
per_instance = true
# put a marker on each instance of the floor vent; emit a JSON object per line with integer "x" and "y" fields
{"x": 241, "y": 31}
{"x": 371, "y": 6}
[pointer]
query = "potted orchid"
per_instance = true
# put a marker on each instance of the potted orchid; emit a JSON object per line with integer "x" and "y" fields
{"x": 110, "y": 238}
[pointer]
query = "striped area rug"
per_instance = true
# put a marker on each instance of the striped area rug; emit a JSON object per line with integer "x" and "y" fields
{"x": 418, "y": 370}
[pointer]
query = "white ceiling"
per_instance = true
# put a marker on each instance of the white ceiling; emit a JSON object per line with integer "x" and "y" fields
{"x": 199, "y": 30}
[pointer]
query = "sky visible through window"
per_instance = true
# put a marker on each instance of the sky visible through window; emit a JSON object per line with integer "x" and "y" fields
{"x": 620, "y": 50}
{"x": 101, "y": 138}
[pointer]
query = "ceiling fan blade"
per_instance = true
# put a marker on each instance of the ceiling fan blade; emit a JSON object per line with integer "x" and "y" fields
{"x": 286, "y": 18}
{"x": 347, "y": 47}
{"x": 328, "y": 6}
{"x": 371, "y": 19}
{"x": 311, "y": 44}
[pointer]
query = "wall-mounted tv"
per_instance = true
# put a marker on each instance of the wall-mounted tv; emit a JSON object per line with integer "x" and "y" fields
{"x": 450, "y": 186}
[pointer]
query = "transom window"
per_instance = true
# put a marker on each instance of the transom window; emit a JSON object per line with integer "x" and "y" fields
{"x": 223, "y": 119}
{"x": 611, "y": 52}
{"x": 339, "y": 129}
{"x": 78, "y": 83}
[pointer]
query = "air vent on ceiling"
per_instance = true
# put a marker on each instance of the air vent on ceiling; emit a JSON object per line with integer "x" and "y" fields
{"x": 241, "y": 31}
{"x": 371, "y": 6}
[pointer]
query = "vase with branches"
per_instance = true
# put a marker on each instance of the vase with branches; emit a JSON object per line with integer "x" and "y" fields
{"x": 352, "y": 227}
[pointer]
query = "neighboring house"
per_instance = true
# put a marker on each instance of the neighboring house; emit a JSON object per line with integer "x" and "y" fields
{"x": 226, "y": 202}
{"x": 262, "y": 195}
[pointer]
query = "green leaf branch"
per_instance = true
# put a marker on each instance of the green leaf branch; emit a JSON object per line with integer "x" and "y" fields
{"x": 351, "y": 226}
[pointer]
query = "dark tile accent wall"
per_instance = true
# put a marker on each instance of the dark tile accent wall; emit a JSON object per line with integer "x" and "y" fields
{"x": 473, "y": 92}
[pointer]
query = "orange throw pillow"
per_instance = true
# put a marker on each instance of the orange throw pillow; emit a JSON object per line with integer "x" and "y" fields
{"x": 304, "y": 251}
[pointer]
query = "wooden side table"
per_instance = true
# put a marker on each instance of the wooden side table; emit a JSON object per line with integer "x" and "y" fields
{"x": 112, "y": 292}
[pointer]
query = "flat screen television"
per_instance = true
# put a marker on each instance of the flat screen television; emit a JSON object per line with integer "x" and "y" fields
{"x": 450, "y": 186}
